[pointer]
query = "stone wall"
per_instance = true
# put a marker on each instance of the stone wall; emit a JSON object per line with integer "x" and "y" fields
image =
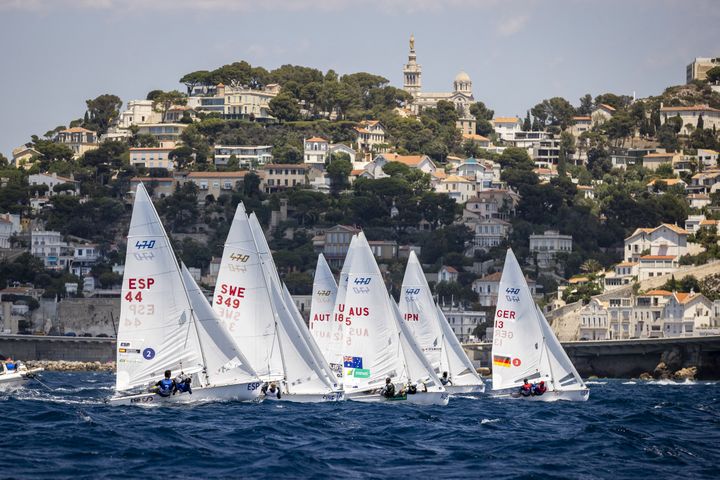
{"x": 88, "y": 315}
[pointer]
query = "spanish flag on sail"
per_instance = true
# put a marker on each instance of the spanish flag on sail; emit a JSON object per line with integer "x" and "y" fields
{"x": 501, "y": 361}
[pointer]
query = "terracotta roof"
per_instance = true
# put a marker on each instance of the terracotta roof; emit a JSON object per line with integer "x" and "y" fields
{"x": 410, "y": 160}
{"x": 666, "y": 181}
{"x": 370, "y": 123}
{"x": 626, "y": 264}
{"x": 675, "y": 228}
{"x": 575, "y": 280}
{"x": 581, "y": 119}
{"x": 506, "y": 120}
{"x": 657, "y": 257}
{"x": 585, "y": 187}
{"x": 659, "y": 293}
{"x": 477, "y": 138}
{"x": 493, "y": 277}
{"x": 439, "y": 174}
{"x": 450, "y": 269}
{"x": 76, "y": 130}
{"x": 357, "y": 172}
{"x": 316, "y": 139}
{"x": 692, "y": 108}
{"x": 659, "y": 155}
{"x": 544, "y": 171}
{"x": 239, "y": 174}
{"x": 361, "y": 130}
{"x": 699, "y": 196}
{"x": 683, "y": 297}
{"x": 708, "y": 222}
{"x": 455, "y": 178}
{"x": 607, "y": 107}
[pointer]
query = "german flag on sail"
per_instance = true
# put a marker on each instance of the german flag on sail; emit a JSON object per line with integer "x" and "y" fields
{"x": 501, "y": 361}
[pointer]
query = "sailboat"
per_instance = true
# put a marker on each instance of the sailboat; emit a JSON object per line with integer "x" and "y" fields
{"x": 433, "y": 334}
{"x": 376, "y": 342}
{"x": 251, "y": 301}
{"x": 166, "y": 323}
{"x": 525, "y": 347}
{"x": 323, "y": 328}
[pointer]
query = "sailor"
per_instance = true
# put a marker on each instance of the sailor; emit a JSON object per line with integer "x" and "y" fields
{"x": 445, "y": 380}
{"x": 411, "y": 389}
{"x": 388, "y": 391}
{"x": 182, "y": 383}
{"x": 539, "y": 388}
{"x": 526, "y": 389}
{"x": 10, "y": 365}
{"x": 271, "y": 390}
{"x": 166, "y": 386}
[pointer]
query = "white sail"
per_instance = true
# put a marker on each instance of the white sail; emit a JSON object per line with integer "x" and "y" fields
{"x": 524, "y": 346}
{"x": 371, "y": 345}
{"x": 454, "y": 360}
{"x": 156, "y": 330}
{"x": 242, "y": 300}
{"x": 564, "y": 376}
{"x": 333, "y": 349}
{"x": 224, "y": 363}
{"x": 418, "y": 310}
{"x": 321, "y": 309}
{"x": 517, "y": 338}
{"x": 417, "y": 367}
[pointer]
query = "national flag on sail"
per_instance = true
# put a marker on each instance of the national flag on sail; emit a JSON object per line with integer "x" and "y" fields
{"x": 501, "y": 361}
{"x": 352, "y": 362}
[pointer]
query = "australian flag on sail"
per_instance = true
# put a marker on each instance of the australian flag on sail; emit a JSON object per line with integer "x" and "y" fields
{"x": 352, "y": 362}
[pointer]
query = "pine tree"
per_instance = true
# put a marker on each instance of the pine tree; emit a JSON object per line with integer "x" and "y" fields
{"x": 700, "y": 122}
{"x": 527, "y": 125}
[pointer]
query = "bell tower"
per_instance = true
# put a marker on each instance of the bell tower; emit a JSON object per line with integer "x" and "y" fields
{"x": 412, "y": 71}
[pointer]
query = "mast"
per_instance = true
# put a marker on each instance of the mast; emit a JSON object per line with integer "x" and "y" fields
{"x": 274, "y": 309}
{"x": 193, "y": 319}
{"x": 545, "y": 349}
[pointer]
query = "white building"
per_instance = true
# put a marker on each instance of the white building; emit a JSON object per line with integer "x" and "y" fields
{"x": 624, "y": 273}
{"x": 463, "y": 322}
{"x": 49, "y": 246}
{"x": 138, "y": 112}
{"x": 315, "y": 150}
{"x": 52, "y": 180}
{"x": 246, "y": 155}
{"x": 9, "y": 226}
{"x": 488, "y": 233}
{"x": 168, "y": 134}
{"x": 487, "y": 288}
{"x": 152, "y": 157}
{"x": 548, "y": 245}
{"x": 456, "y": 187}
{"x": 664, "y": 240}
{"x": 699, "y": 67}
{"x": 594, "y": 321}
{"x": 689, "y": 116}
{"x": 650, "y": 266}
{"x": 419, "y": 162}
{"x": 236, "y": 102}
{"x": 507, "y": 127}
{"x": 78, "y": 139}
{"x": 370, "y": 136}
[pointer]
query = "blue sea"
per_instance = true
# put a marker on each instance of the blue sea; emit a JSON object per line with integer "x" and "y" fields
{"x": 627, "y": 429}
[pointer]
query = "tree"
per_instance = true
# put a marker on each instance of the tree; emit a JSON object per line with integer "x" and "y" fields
{"x": 192, "y": 79}
{"x": 285, "y": 107}
{"x": 527, "y": 124}
{"x": 182, "y": 156}
{"x": 700, "y": 122}
{"x": 338, "y": 171}
{"x": 166, "y": 100}
{"x": 153, "y": 94}
{"x": 483, "y": 116}
{"x": 567, "y": 148}
{"x": 586, "y": 105}
{"x": 101, "y": 111}
{"x": 618, "y": 102}
{"x": 555, "y": 111}
{"x": 251, "y": 185}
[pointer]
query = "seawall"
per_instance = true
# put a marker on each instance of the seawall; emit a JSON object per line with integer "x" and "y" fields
{"x": 630, "y": 358}
{"x": 74, "y": 349}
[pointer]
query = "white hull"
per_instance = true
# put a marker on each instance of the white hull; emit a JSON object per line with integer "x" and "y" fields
{"x": 15, "y": 380}
{"x": 307, "y": 397}
{"x": 468, "y": 389}
{"x": 553, "y": 396}
{"x": 420, "y": 398}
{"x": 244, "y": 392}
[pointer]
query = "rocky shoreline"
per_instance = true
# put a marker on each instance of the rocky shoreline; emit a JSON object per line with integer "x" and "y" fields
{"x": 68, "y": 366}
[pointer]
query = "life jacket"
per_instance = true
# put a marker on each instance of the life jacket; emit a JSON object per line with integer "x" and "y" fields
{"x": 10, "y": 366}
{"x": 389, "y": 390}
{"x": 166, "y": 387}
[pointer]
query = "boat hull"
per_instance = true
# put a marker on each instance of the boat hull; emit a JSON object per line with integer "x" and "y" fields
{"x": 581, "y": 395}
{"x": 307, "y": 397}
{"x": 243, "y": 392}
{"x": 420, "y": 398}
{"x": 15, "y": 380}
{"x": 465, "y": 389}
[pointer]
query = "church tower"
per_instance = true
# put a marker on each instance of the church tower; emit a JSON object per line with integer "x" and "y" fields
{"x": 412, "y": 71}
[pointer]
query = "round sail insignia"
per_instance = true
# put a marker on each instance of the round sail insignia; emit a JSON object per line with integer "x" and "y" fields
{"x": 148, "y": 354}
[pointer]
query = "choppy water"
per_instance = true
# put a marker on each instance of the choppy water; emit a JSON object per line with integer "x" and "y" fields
{"x": 627, "y": 430}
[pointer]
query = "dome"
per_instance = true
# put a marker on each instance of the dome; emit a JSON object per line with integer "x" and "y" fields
{"x": 462, "y": 77}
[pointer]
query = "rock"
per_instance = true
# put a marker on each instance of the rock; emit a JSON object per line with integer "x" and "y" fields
{"x": 661, "y": 372}
{"x": 593, "y": 377}
{"x": 683, "y": 374}
{"x": 672, "y": 359}
{"x": 645, "y": 376}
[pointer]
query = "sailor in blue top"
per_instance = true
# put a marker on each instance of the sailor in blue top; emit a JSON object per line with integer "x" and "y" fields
{"x": 166, "y": 386}
{"x": 182, "y": 383}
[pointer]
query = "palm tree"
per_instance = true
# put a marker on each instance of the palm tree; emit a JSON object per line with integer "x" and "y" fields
{"x": 590, "y": 266}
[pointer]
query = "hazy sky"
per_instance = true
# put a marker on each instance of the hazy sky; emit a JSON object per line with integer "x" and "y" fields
{"x": 55, "y": 54}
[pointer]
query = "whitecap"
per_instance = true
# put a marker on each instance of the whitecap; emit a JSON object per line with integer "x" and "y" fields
{"x": 489, "y": 420}
{"x": 629, "y": 383}
{"x": 594, "y": 382}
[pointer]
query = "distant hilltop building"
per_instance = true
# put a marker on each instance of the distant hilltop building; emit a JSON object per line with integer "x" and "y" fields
{"x": 698, "y": 69}
{"x": 461, "y": 95}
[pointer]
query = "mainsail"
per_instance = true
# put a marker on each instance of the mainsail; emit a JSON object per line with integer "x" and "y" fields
{"x": 321, "y": 309}
{"x": 524, "y": 346}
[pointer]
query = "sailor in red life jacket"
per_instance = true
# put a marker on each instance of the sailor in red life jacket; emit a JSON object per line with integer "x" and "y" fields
{"x": 539, "y": 388}
{"x": 526, "y": 389}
